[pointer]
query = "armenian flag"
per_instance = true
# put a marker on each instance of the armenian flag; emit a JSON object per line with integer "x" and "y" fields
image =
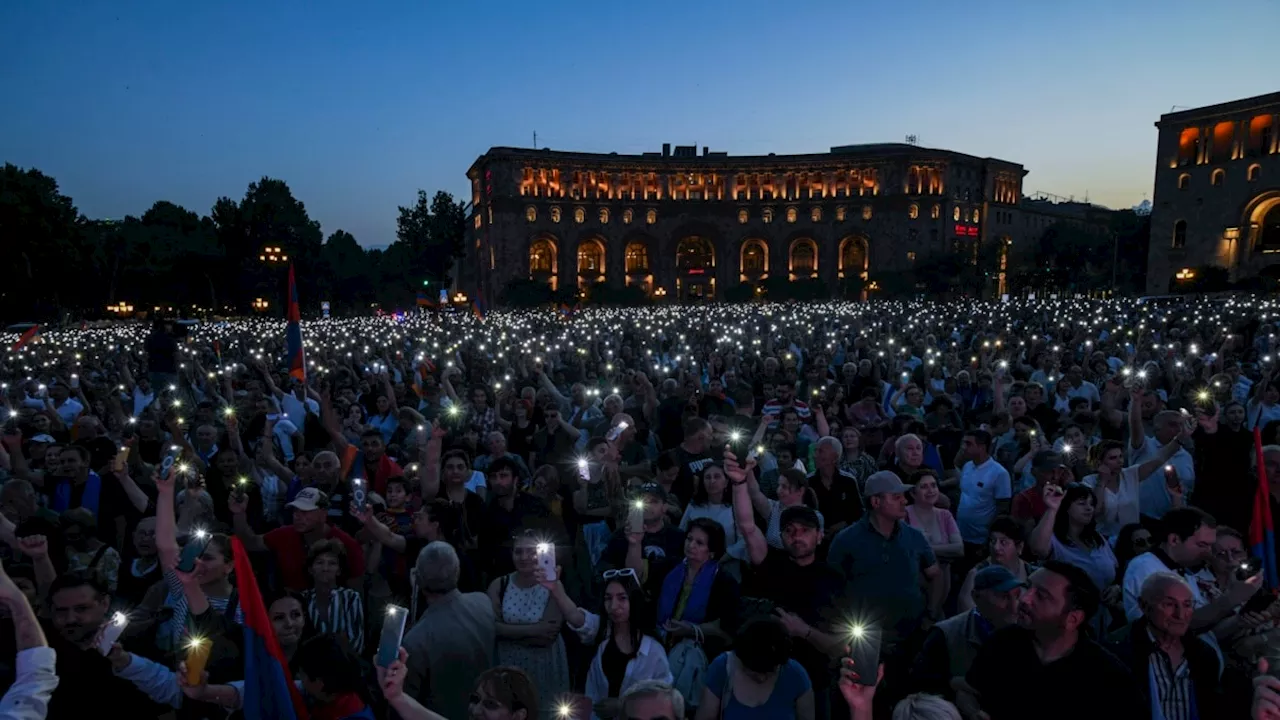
{"x": 566, "y": 310}
{"x": 293, "y": 332}
{"x": 269, "y": 692}
{"x": 1262, "y": 535}
{"x": 424, "y": 300}
{"x": 27, "y": 337}
{"x": 478, "y": 309}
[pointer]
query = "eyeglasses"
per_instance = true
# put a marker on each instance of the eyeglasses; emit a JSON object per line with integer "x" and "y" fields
{"x": 621, "y": 573}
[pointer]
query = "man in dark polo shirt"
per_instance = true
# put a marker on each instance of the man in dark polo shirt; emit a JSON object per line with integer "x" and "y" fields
{"x": 791, "y": 583}
{"x": 1046, "y": 667}
{"x": 836, "y": 490}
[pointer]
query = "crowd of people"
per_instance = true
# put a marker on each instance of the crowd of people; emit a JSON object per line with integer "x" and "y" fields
{"x": 876, "y": 510}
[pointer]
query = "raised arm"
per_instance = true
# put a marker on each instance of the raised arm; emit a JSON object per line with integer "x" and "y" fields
{"x": 743, "y": 512}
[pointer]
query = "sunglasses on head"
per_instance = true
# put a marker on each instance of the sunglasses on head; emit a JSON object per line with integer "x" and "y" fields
{"x": 621, "y": 573}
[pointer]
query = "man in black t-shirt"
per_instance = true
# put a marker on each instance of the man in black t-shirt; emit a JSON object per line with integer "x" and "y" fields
{"x": 653, "y": 553}
{"x": 692, "y": 456}
{"x": 791, "y": 583}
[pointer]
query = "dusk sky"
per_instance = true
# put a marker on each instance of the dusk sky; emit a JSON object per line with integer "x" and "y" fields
{"x": 357, "y": 105}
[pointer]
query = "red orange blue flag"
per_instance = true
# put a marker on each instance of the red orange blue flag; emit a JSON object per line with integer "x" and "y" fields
{"x": 293, "y": 333}
{"x": 1262, "y": 534}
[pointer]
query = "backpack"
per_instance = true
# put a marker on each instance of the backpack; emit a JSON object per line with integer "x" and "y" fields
{"x": 688, "y": 664}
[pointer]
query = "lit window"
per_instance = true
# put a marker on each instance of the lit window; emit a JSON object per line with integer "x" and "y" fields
{"x": 591, "y": 257}
{"x": 742, "y": 217}
{"x": 604, "y": 216}
{"x": 579, "y": 215}
{"x": 531, "y": 214}
{"x": 542, "y": 257}
{"x": 840, "y": 213}
{"x": 627, "y": 216}
{"x": 816, "y": 214}
{"x": 1254, "y": 172}
{"x": 555, "y": 214}
{"x": 1184, "y": 181}
{"x": 935, "y": 212}
{"x": 1217, "y": 177}
{"x": 913, "y": 211}
{"x": 478, "y": 221}
{"x": 866, "y": 212}
{"x": 791, "y": 215}
{"x": 753, "y": 258}
{"x": 975, "y": 216}
{"x": 804, "y": 257}
{"x": 955, "y": 214}
{"x": 651, "y": 216}
{"x": 767, "y": 215}
{"x": 1180, "y": 234}
{"x": 911, "y": 257}
{"x": 637, "y": 257}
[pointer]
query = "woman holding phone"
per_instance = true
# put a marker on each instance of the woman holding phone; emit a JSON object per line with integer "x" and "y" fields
{"x": 528, "y": 623}
{"x": 627, "y": 649}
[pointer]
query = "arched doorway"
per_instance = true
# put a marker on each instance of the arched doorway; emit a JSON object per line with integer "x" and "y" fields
{"x": 695, "y": 269}
{"x": 636, "y": 265}
{"x": 853, "y": 257}
{"x": 753, "y": 261}
{"x": 591, "y": 263}
{"x": 543, "y": 260}
{"x": 802, "y": 261}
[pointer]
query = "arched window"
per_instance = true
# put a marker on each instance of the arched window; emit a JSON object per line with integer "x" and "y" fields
{"x": 1218, "y": 177}
{"x": 604, "y": 216}
{"x": 767, "y": 215}
{"x": 695, "y": 254}
{"x": 637, "y": 258}
{"x": 935, "y": 212}
{"x": 555, "y": 214}
{"x": 743, "y": 217}
{"x": 542, "y": 257}
{"x": 1254, "y": 171}
{"x": 591, "y": 257}
{"x": 531, "y": 214}
{"x": 955, "y": 214}
{"x": 627, "y": 216}
{"x": 976, "y": 216}
{"x": 866, "y": 212}
{"x": 1180, "y": 234}
{"x": 651, "y": 216}
{"x": 853, "y": 256}
{"x": 913, "y": 211}
{"x": 1184, "y": 181}
{"x": 791, "y": 214}
{"x": 815, "y": 214}
{"x": 804, "y": 257}
{"x": 755, "y": 258}
{"x": 840, "y": 213}
{"x": 579, "y": 215}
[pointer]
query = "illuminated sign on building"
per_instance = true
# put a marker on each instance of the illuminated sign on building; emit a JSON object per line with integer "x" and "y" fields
{"x": 966, "y": 230}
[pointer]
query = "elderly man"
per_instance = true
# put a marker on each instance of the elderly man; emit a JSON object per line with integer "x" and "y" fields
{"x": 496, "y": 442}
{"x": 652, "y": 700}
{"x": 1183, "y": 669}
{"x": 951, "y": 645}
{"x": 1153, "y": 493}
{"x": 452, "y": 643}
{"x": 836, "y": 490}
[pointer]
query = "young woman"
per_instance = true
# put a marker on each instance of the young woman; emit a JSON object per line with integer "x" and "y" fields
{"x": 290, "y": 621}
{"x": 711, "y": 500}
{"x": 937, "y": 524}
{"x": 627, "y": 650}
{"x": 1005, "y": 542}
{"x": 1068, "y": 532}
{"x": 332, "y": 607}
{"x": 758, "y": 679}
{"x": 528, "y": 623}
{"x": 696, "y": 598}
{"x": 1117, "y": 486}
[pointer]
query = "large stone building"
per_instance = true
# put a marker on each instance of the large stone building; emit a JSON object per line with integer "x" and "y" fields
{"x": 1217, "y": 196}
{"x": 684, "y": 225}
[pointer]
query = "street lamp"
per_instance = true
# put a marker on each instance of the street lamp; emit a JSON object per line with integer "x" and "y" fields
{"x": 273, "y": 254}
{"x": 261, "y": 305}
{"x": 1185, "y": 274}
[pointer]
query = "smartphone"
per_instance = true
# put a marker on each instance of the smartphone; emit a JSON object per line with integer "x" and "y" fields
{"x": 635, "y": 516}
{"x": 864, "y": 650}
{"x": 584, "y": 470}
{"x": 111, "y": 633}
{"x": 358, "y": 492}
{"x": 193, "y": 550}
{"x": 392, "y": 634}
{"x": 1171, "y": 478}
{"x": 547, "y": 560}
{"x": 166, "y": 464}
{"x": 1250, "y": 567}
{"x": 241, "y": 488}
{"x": 121, "y": 459}
{"x": 754, "y": 453}
{"x": 75, "y": 381}
{"x": 616, "y": 431}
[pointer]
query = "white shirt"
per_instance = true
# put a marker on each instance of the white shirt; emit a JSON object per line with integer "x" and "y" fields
{"x": 33, "y": 685}
{"x": 1153, "y": 496}
{"x": 981, "y": 487}
{"x": 1086, "y": 390}
{"x": 1143, "y": 567}
{"x": 69, "y": 410}
{"x": 141, "y": 400}
{"x": 650, "y": 662}
{"x": 1122, "y": 503}
{"x": 296, "y": 410}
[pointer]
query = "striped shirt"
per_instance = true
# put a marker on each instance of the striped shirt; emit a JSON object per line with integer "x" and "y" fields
{"x": 1171, "y": 691}
{"x": 345, "y": 616}
{"x": 173, "y": 631}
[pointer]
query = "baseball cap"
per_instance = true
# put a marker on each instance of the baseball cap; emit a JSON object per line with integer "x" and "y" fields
{"x": 654, "y": 489}
{"x": 884, "y": 482}
{"x": 42, "y": 438}
{"x": 310, "y": 499}
{"x": 996, "y": 577}
{"x": 1047, "y": 460}
{"x": 800, "y": 514}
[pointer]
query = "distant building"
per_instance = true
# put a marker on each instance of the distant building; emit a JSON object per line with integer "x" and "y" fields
{"x": 1217, "y": 194}
{"x": 684, "y": 225}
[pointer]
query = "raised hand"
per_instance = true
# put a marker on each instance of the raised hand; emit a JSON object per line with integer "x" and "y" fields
{"x": 34, "y": 547}
{"x": 391, "y": 678}
{"x": 858, "y": 696}
{"x": 1053, "y": 496}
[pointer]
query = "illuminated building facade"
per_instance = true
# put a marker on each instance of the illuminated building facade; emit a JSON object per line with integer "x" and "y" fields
{"x": 687, "y": 226}
{"x": 1217, "y": 194}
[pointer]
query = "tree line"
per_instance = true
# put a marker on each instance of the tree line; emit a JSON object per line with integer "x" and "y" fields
{"x": 61, "y": 262}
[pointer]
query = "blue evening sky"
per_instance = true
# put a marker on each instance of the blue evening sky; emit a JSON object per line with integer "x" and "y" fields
{"x": 357, "y": 105}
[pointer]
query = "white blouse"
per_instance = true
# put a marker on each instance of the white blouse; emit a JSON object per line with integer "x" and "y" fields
{"x": 650, "y": 662}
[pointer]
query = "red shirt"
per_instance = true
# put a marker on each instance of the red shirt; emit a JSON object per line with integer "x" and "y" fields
{"x": 1028, "y": 505}
{"x": 291, "y": 555}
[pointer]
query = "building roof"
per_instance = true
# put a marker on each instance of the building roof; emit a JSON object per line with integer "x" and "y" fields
{"x": 1221, "y": 109}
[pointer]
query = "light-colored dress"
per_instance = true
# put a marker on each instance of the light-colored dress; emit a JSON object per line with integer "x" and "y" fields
{"x": 547, "y": 667}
